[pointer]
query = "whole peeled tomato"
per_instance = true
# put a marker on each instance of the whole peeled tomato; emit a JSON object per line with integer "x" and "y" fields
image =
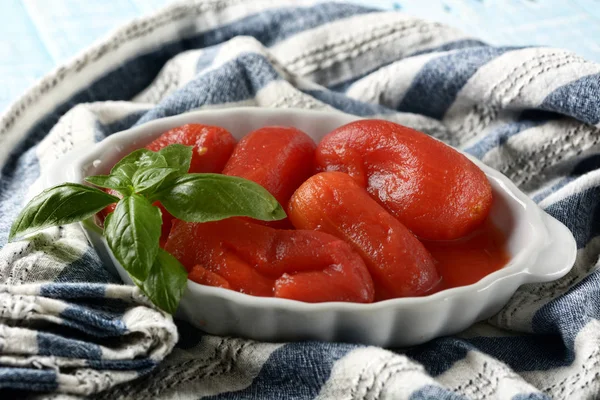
{"x": 262, "y": 261}
{"x": 277, "y": 158}
{"x": 333, "y": 202}
{"x": 431, "y": 188}
{"x": 212, "y": 145}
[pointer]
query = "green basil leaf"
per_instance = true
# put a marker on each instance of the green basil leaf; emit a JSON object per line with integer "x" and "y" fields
{"x": 132, "y": 233}
{"x": 119, "y": 183}
{"x": 139, "y": 159}
{"x": 146, "y": 180}
{"x": 165, "y": 283}
{"x": 212, "y": 197}
{"x": 178, "y": 156}
{"x": 106, "y": 221}
{"x": 60, "y": 205}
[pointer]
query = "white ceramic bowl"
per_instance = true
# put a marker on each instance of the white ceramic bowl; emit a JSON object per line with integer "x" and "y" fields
{"x": 541, "y": 248}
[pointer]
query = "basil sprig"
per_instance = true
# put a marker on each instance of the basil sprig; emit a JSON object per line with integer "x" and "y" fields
{"x": 133, "y": 230}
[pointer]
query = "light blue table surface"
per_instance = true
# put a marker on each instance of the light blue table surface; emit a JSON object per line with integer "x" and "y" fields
{"x": 41, "y": 34}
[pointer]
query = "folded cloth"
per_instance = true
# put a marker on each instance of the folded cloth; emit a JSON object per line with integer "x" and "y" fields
{"x": 69, "y": 326}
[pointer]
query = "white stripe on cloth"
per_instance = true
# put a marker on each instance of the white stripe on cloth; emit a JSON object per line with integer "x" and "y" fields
{"x": 536, "y": 155}
{"x": 374, "y": 373}
{"x": 27, "y": 261}
{"x": 207, "y": 369}
{"x": 479, "y": 376}
{"x": 176, "y": 72}
{"x": 88, "y": 381}
{"x": 515, "y": 79}
{"x": 374, "y": 40}
{"x": 388, "y": 85}
{"x": 17, "y": 343}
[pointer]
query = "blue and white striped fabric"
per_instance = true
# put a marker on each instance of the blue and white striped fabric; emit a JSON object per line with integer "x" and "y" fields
{"x": 67, "y": 325}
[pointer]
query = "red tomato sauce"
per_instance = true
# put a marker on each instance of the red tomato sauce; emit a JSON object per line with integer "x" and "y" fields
{"x": 467, "y": 260}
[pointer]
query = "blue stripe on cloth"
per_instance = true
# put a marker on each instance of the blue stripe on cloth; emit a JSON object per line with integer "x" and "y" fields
{"x": 531, "y": 396}
{"x": 499, "y": 135}
{"x": 458, "y": 45}
{"x": 88, "y": 268}
{"x": 18, "y": 175}
{"x": 584, "y": 166}
{"x": 142, "y": 366}
{"x": 346, "y": 104}
{"x": 432, "y": 392}
{"x": 588, "y": 164}
{"x": 95, "y": 322}
{"x": 295, "y": 371}
{"x": 568, "y": 314}
{"x": 236, "y": 80}
{"x": 106, "y": 307}
{"x": 73, "y": 290}
{"x": 435, "y": 87}
{"x": 130, "y": 78}
{"x": 578, "y": 99}
{"x": 40, "y": 380}
{"x": 439, "y": 355}
{"x": 90, "y": 296}
{"x": 543, "y": 352}
{"x": 58, "y": 346}
{"x": 580, "y": 213}
{"x": 524, "y": 353}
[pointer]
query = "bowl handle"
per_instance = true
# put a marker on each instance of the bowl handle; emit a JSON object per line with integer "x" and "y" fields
{"x": 558, "y": 256}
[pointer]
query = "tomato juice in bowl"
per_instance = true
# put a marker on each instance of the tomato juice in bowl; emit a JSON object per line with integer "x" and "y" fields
{"x": 525, "y": 233}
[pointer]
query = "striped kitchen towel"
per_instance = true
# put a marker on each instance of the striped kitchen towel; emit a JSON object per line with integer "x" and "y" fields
{"x": 67, "y": 325}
